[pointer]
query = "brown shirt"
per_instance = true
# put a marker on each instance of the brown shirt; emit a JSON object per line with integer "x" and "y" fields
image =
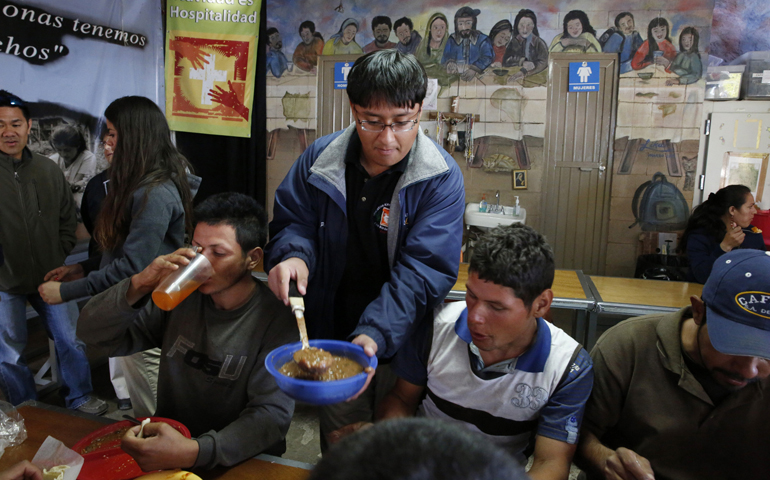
{"x": 646, "y": 399}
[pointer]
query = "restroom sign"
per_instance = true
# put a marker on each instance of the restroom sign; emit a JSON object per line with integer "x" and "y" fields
{"x": 341, "y": 71}
{"x": 583, "y": 77}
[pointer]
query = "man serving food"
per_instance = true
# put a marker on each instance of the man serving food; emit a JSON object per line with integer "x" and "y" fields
{"x": 212, "y": 374}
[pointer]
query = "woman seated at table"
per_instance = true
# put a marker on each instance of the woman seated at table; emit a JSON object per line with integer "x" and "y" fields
{"x": 718, "y": 225}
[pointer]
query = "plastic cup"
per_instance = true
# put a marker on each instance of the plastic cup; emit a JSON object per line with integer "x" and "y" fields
{"x": 180, "y": 283}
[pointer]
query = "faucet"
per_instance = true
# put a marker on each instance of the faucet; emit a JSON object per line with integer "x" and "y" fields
{"x": 497, "y": 197}
{"x": 496, "y": 208}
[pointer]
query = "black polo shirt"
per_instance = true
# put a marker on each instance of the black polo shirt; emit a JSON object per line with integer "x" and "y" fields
{"x": 366, "y": 267}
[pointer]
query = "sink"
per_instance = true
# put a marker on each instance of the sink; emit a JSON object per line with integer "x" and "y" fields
{"x": 485, "y": 220}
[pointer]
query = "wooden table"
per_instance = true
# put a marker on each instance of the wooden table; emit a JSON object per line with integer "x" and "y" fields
{"x": 636, "y": 296}
{"x": 570, "y": 291}
{"x": 69, "y": 426}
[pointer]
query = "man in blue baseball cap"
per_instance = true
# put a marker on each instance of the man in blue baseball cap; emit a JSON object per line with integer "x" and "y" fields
{"x": 686, "y": 395}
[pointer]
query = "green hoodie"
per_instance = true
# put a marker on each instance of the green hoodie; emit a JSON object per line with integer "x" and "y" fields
{"x": 37, "y": 221}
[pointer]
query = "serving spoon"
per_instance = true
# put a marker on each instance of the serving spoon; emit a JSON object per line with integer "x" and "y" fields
{"x": 313, "y": 361}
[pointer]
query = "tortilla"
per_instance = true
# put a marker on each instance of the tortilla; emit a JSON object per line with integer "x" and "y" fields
{"x": 170, "y": 475}
{"x": 54, "y": 473}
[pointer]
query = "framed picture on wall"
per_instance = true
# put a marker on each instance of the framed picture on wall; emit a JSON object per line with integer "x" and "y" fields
{"x": 750, "y": 169}
{"x": 519, "y": 179}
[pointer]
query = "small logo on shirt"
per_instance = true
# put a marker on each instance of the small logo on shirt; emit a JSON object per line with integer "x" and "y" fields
{"x": 572, "y": 430}
{"x": 381, "y": 217}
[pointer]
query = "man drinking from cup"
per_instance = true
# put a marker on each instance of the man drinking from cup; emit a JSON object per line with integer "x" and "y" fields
{"x": 212, "y": 376}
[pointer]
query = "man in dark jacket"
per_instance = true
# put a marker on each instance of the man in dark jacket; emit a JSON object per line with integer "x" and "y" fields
{"x": 368, "y": 221}
{"x": 38, "y": 218}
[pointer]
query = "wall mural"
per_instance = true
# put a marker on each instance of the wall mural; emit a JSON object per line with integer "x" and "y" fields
{"x": 453, "y": 44}
{"x": 495, "y": 58}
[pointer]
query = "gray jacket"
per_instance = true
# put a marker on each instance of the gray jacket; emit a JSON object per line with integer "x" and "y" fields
{"x": 38, "y": 221}
{"x": 157, "y": 228}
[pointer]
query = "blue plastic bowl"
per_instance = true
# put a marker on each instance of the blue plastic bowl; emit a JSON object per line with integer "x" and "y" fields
{"x": 315, "y": 392}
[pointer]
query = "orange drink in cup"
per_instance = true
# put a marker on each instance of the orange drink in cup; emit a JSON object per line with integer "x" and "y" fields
{"x": 180, "y": 283}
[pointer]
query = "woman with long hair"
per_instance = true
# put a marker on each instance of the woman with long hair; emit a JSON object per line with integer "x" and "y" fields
{"x": 687, "y": 63}
{"x": 527, "y": 50}
{"x": 577, "y": 36}
{"x": 720, "y": 224}
{"x": 431, "y": 49}
{"x": 658, "y": 48}
{"x": 146, "y": 213}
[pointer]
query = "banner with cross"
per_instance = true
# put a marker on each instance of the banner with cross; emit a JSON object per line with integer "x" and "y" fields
{"x": 210, "y": 66}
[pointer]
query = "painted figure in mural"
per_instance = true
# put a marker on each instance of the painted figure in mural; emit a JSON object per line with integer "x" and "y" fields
{"x": 344, "y": 41}
{"x": 277, "y": 63}
{"x": 381, "y": 28}
{"x": 527, "y": 50}
{"x": 684, "y": 395}
{"x": 374, "y": 273}
{"x": 657, "y": 48}
{"x": 74, "y": 159}
{"x": 468, "y": 52}
{"x": 623, "y": 40}
{"x": 578, "y": 35}
{"x": 687, "y": 63}
{"x": 306, "y": 54}
{"x": 720, "y": 224}
{"x": 431, "y": 48}
{"x": 500, "y": 35}
{"x": 408, "y": 38}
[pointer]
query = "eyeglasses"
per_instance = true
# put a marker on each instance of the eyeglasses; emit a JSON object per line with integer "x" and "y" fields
{"x": 12, "y": 100}
{"x": 397, "y": 127}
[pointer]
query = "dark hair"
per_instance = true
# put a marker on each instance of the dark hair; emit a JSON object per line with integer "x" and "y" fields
{"x": 584, "y": 22}
{"x": 500, "y": 26}
{"x": 7, "y": 99}
{"x": 68, "y": 136}
{"x": 416, "y": 449}
{"x": 403, "y": 21}
{"x": 467, "y": 12}
{"x": 307, "y": 24}
{"x": 271, "y": 31}
{"x": 515, "y": 256}
{"x": 652, "y": 44}
{"x": 243, "y": 213}
{"x": 620, "y": 16}
{"x": 525, "y": 12}
{"x": 695, "y": 38}
{"x": 387, "y": 77}
{"x": 144, "y": 158}
{"x": 381, "y": 20}
{"x": 708, "y": 215}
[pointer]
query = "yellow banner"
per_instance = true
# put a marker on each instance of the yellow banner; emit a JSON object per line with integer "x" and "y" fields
{"x": 210, "y": 62}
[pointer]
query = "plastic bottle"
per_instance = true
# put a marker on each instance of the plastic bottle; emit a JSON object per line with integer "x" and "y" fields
{"x": 483, "y": 203}
{"x": 517, "y": 208}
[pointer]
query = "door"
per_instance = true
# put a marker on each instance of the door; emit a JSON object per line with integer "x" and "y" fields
{"x": 333, "y": 106}
{"x": 580, "y": 129}
{"x": 741, "y": 142}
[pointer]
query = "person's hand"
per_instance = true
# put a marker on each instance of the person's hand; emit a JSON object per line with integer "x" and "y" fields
{"x": 495, "y": 64}
{"x": 162, "y": 447}
{"x": 733, "y": 238}
{"x": 672, "y": 81}
{"x": 370, "y": 349}
{"x": 468, "y": 75}
{"x": 229, "y": 99}
{"x": 451, "y": 68}
{"x": 195, "y": 55}
{"x": 347, "y": 430}
{"x": 290, "y": 269}
{"x": 23, "y": 470}
{"x": 65, "y": 273}
{"x": 528, "y": 66}
{"x": 516, "y": 77}
{"x": 50, "y": 292}
{"x": 625, "y": 464}
{"x": 145, "y": 281}
{"x": 662, "y": 61}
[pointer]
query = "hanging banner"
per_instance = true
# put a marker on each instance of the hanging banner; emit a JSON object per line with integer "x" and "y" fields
{"x": 210, "y": 62}
{"x": 69, "y": 61}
